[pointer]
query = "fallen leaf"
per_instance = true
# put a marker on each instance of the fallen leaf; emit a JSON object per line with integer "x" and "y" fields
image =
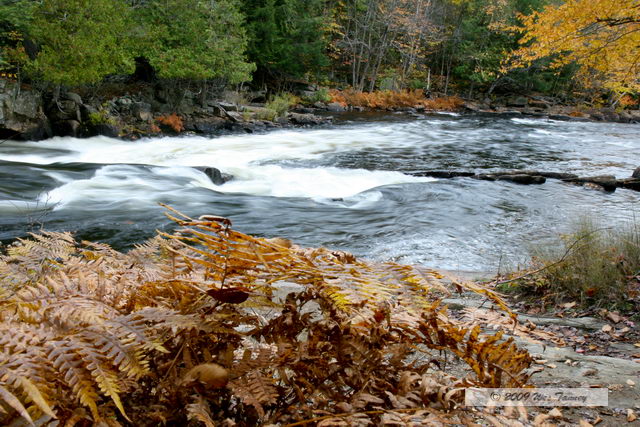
{"x": 585, "y": 423}
{"x": 543, "y": 361}
{"x": 555, "y": 413}
{"x": 540, "y": 419}
{"x": 569, "y": 305}
{"x": 631, "y": 383}
{"x": 552, "y": 366}
{"x": 589, "y": 372}
{"x": 614, "y": 317}
{"x": 606, "y": 328}
{"x": 597, "y": 421}
{"x": 229, "y": 295}
{"x": 631, "y": 416}
{"x": 637, "y": 344}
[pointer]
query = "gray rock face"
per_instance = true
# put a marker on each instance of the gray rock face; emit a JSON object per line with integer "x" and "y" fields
{"x": 304, "y": 119}
{"x": 519, "y": 102}
{"x": 21, "y": 112}
{"x": 335, "y": 107}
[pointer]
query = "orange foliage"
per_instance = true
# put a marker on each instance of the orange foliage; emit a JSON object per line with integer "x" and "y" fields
{"x": 394, "y": 99}
{"x": 173, "y": 121}
{"x": 448, "y": 103}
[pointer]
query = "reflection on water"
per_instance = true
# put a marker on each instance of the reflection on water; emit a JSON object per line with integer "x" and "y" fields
{"x": 348, "y": 187}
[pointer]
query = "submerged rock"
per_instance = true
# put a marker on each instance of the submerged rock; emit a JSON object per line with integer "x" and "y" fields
{"x": 608, "y": 182}
{"x": 523, "y": 179}
{"x": 215, "y": 175}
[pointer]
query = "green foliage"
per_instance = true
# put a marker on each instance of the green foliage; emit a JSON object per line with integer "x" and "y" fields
{"x": 194, "y": 39}
{"x": 15, "y": 16}
{"x": 101, "y": 117}
{"x": 286, "y": 36}
{"x": 281, "y": 103}
{"x": 592, "y": 264}
{"x": 81, "y": 41}
{"x": 321, "y": 95}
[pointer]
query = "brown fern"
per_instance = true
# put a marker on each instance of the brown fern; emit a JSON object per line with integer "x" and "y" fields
{"x": 299, "y": 332}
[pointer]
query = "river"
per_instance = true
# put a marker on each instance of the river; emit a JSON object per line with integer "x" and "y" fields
{"x": 347, "y": 187}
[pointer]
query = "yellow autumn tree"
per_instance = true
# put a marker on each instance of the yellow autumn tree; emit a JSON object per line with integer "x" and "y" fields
{"x": 602, "y": 36}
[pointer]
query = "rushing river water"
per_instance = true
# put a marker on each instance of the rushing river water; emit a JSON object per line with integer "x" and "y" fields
{"x": 347, "y": 187}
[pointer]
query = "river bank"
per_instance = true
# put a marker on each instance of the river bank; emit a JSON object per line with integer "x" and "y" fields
{"x": 133, "y": 111}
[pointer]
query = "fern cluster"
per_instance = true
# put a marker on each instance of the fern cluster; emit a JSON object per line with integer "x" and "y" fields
{"x": 209, "y": 324}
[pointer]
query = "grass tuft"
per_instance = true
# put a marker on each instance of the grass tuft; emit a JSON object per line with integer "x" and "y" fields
{"x": 593, "y": 265}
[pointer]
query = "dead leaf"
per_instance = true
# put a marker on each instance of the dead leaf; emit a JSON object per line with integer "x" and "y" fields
{"x": 543, "y": 361}
{"x": 589, "y": 372}
{"x": 552, "y": 366}
{"x": 585, "y": 423}
{"x": 230, "y": 295}
{"x": 614, "y": 317}
{"x": 631, "y": 383}
{"x": 607, "y": 328}
{"x": 631, "y": 416}
{"x": 569, "y": 305}
{"x": 555, "y": 413}
{"x": 597, "y": 421}
{"x": 540, "y": 419}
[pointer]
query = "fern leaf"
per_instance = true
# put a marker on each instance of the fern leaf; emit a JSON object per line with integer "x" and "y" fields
{"x": 36, "y": 397}
{"x": 11, "y": 400}
{"x": 199, "y": 411}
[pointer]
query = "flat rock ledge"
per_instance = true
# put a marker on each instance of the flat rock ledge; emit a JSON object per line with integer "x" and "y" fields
{"x": 605, "y": 183}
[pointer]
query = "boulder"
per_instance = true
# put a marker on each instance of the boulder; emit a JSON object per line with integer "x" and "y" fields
{"x": 141, "y": 111}
{"x": 304, "y": 119}
{"x": 68, "y": 128}
{"x": 517, "y": 102}
{"x": 444, "y": 174}
{"x": 106, "y": 129}
{"x": 336, "y": 107}
{"x": 523, "y": 179}
{"x": 86, "y": 111}
{"x": 607, "y": 182}
{"x": 72, "y": 96}
{"x": 21, "y": 113}
{"x": 215, "y": 175}
{"x": 535, "y": 103}
{"x": 320, "y": 105}
{"x": 630, "y": 183}
{"x": 636, "y": 173}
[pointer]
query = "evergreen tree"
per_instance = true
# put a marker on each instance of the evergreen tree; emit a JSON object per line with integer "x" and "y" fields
{"x": 286, "y": 37}
{"x": 194, "y": 39}
{"x": 80, "y": 41}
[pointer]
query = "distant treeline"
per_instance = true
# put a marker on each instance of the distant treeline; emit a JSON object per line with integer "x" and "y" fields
{"x": 461, "y": 46}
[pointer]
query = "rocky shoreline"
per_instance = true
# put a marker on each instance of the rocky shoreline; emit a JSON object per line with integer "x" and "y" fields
{"x": 30, "y": 114}
{"x": 605, "y": 183}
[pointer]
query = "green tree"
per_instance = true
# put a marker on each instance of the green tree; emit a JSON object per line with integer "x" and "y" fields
{"x": 194, "y": 39}
{"x": 80, "y": 41}
{"x": 287, "y": 37}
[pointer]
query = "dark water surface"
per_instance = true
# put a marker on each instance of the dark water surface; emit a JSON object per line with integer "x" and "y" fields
{"x": 347, "y": 187}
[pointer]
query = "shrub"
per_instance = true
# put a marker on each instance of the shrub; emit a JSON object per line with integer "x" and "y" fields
{"x": 321, "y": 95}
{"x": 172, "y": 121}
{"x": 101, "y": 117}
{"x": 592, "y": 265}
{"x": 281, "y": 103}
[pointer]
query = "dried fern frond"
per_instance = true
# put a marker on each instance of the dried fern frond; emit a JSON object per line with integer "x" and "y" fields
{"x": 299, "y": 332}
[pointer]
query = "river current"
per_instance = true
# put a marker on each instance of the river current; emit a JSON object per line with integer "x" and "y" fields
{"x": 349, "y": 186}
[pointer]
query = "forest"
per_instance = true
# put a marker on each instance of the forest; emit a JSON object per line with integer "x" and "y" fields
{"x": 465, "y": 47}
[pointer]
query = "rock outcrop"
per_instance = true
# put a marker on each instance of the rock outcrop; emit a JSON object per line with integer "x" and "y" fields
{"x": 21, "y": 114}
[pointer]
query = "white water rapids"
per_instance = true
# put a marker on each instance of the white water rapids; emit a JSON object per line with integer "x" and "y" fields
{"x": 348, "y": 187}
